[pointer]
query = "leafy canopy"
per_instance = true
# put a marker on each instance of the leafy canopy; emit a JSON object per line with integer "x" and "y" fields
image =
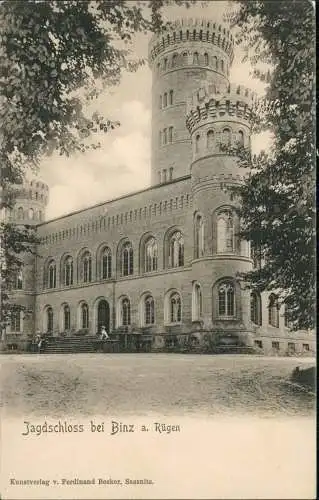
{"x": 277, "y": 197}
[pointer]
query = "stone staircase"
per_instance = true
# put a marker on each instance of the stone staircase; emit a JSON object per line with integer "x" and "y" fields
{"x": 78, "y": 344}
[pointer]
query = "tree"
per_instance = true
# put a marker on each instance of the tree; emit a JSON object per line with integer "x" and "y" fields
{"x": 277, "y": 196}
{"x": 55, "y": 57}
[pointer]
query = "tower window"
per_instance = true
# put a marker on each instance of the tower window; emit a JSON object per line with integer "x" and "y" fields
{"x": 197, "y": 143}
{"x": 226, "y": 300}
{"x": 225, "y": 232}
{"x": 171, "y": 173}
{"x": 171, "y": 97}
{"x": 255, "y": 308}
{"x": 170, "y": 134}
{"x": 199, "y": 237}
{"x": 196, "y": 58}
{"x": 165, "y": 136}
{"x": 165, "y": 100}
{"x": 210, "y": 139}
{"x": 206, "y": 60}
{"x": 273, "y": 311}
{"x": 174, "y": 60}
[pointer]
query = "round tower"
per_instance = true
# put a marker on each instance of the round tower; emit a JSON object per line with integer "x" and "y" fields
{"x": 218, "y": 119}
{"x": 184, "y": 54}
{"x": 31, "y": 200}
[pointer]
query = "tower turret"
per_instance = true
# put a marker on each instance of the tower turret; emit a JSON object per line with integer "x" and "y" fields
{"x": 184, "y": 54}
{"x": 31, "y": 200}
{"x": 217, "y": 115}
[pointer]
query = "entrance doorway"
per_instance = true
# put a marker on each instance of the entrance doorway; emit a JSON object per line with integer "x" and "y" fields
{"x": 103, "y": 315}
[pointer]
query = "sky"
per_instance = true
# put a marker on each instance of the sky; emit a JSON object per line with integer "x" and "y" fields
{"x": 122, "y": 164}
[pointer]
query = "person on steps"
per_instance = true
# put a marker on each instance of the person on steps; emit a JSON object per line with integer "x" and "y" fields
{"x": 104, "y": 334}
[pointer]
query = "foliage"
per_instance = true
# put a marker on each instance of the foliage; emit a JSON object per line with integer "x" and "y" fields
{"x": 16, "y": 242}
{"x": 277, "y": 197}
{"x": 56, "y": 56}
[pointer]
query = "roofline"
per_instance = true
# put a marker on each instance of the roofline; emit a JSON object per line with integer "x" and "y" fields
{"x": 156, "y": 186}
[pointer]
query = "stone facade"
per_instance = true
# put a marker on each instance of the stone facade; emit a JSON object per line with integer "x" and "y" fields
{"x": 163, "y": 260}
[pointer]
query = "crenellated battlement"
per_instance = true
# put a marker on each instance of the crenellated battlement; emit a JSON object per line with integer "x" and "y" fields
{"x": 182, "y": 31}
{"x": 31, "y": 198}
{"x": 216, "y": 102}
{"x": 33, "y": 190}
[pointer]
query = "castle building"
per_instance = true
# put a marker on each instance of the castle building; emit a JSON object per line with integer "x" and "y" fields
{"x": 163, "y": 261}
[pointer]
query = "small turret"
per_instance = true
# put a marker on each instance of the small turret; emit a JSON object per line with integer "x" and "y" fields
{"x": 31, "y": 199}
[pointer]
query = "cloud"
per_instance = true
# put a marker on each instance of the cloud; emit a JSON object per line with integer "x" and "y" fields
{"x": 121, "y": 165}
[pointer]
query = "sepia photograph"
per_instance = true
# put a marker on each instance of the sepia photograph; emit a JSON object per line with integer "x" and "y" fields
{"x": 157, "y": 259}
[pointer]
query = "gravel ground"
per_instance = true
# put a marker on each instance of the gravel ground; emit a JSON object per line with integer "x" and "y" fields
{"x": 142, "y": 384}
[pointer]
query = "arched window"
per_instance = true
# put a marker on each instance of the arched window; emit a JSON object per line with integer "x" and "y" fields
{"x": 18, "y": 280}
{"x": 206, "y": 60}
{"x": 174, "y": 60}
{"x": 31, "y": 213}
{"x": 197, "y": 302}
{"x": 170, "y": 134}
{"x": 287, "y": 321}
{"x": 273, "y": 311}
{"x": 66, "y": 318}
{"x": 106, "y": 264}
{"x": 165, "y": 100}
{"x": 68, "y": 271}
{"x": 185, "y": 58}
{"x": 255, "y": 308}
{"x": 176, "y": 250}
{"x": 241, "y": 139}
{"x": 149, "y": 310}
{"x": 210, "y": 139}
{"x": 160, "y": 102}
{"x": 51, "y": 275}
{"x": 15, "y": 321}
{"x": 214, "y": 62}
{"x": 49, "y": 319}
{"x": 199, "y": 236}
{"x": 222, "y": 65}
{"x": 20, "y": 213}
{"x": 125, "y": 312}
{"x": 84, "y": 320}
{"x": 195, "y": 58}
{"x": 150, "y": 255}
{"x": 226, "y": 300}
{"x": 197, "y": 144}
{"x": 226, "y": 137}
{"x": 86, "y": 267}
{"x": 127, "y": 259}
{"x": 175, "y": 308}
{"x": 171, "y": 97}
{"x": 225, "y": 232}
